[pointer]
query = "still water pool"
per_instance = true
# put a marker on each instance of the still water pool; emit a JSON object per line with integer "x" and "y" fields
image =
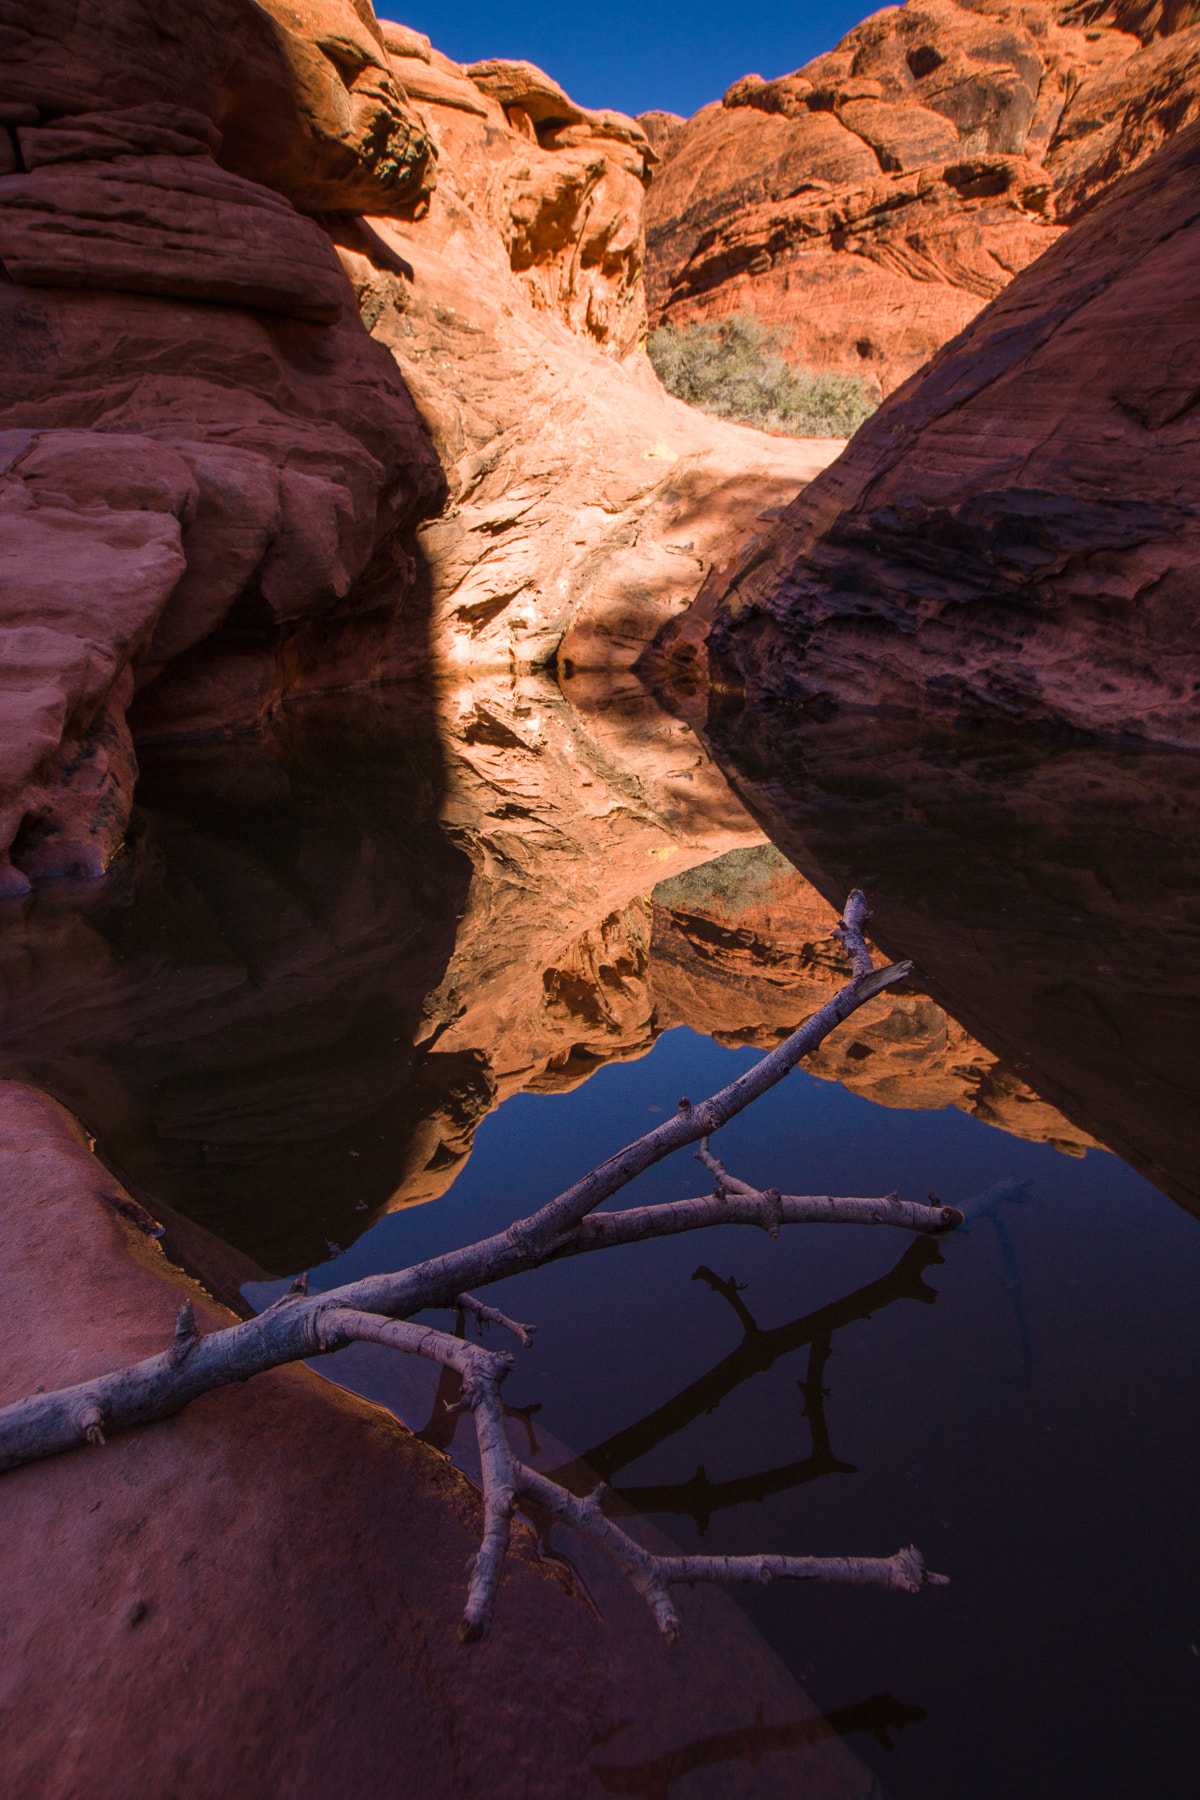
{"x": 1019, "y": 1400}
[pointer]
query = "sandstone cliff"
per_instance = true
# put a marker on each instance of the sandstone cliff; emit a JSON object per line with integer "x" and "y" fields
{"x": 869, "y": 204}
{"x": 1011, "y": 537}
{"x": 211, "y": 473}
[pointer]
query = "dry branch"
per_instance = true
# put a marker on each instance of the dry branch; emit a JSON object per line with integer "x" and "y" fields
{"x": 378, "y": 1309}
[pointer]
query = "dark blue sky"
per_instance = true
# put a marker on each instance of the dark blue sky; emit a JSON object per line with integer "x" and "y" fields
{"x": 635, "y": 55}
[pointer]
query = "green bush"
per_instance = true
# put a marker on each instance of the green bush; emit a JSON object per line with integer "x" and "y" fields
{"x": 734, "y": 370}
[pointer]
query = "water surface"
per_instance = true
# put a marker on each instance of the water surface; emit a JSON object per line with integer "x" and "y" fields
{"x": 399, "y": 971}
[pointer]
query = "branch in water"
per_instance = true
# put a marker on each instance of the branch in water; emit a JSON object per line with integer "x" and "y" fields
{"x": 300, "y": 1326}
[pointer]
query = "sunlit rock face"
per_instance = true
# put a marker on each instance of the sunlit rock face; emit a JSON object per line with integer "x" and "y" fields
{"x": 1010, "y": 538}
{"x": 244, "y": 1561}
{"x": 586, "y": 507}
{"x": 869, "y": 204}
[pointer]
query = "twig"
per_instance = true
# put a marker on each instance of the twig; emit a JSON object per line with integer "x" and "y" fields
{"x": 849, "y": 932}
{"x": 506, "y": 1480}
{"x": 487, "y": 1315}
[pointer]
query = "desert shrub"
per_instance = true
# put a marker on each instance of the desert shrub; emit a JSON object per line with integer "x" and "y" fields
{"x": 734, "y": 370}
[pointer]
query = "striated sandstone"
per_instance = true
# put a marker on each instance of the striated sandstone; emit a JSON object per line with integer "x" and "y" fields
{"x": 870, "y": 203}
{"x": 1010, "y": 538}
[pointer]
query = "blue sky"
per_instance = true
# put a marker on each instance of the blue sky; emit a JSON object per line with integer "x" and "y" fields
{"x": 636, "y": 55}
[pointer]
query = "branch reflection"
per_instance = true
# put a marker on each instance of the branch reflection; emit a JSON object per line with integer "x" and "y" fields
{"x": 758, "y": 1351}
{"x": 652, "y": 1780}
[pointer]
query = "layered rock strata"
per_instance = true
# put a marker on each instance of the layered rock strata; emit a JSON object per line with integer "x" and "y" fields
{"x": 1012, "y": 536}
{"x": 212, "y": 474}
{"x": 869, "y": 204}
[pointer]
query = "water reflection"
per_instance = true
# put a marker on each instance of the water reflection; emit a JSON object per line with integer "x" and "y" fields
{"x": 331, "y": 951}
{"x": 879, "y": 1716}
{"x": 758, "y": 1351}
{"x": 1049, "y": 893}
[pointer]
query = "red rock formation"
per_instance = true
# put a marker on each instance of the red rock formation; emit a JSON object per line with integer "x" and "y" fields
{"x": 870, "y": 203}
{"x": 585, "y": 506}
{"x": 204, "y": 453}
{"x": 1009, "y": 537}
{"x": 261, "y": 1596}
{"x": 193, "y": 415}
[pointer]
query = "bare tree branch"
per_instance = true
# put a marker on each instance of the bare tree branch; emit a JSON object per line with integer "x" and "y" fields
{"x": 487, "y": 1315}
{"x": 507, "y": 1480}
{"x": 300, "y": 1326}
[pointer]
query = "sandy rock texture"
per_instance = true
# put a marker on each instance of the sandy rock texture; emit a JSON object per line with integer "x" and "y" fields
{"x": 1013, "y": 536}
{"x": 869, "y": 204}
{"x": 261, "y": 1596}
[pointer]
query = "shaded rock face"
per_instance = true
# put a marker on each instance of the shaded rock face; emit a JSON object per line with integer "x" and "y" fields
{"x": 227, "y": 1596}
{"x": 192, "y": 416}
{"x": 871, "y": 203}
{"x": 324, "y": 963}
{"x": 1013, "y": 536}
{"x": 1046, "y": 892}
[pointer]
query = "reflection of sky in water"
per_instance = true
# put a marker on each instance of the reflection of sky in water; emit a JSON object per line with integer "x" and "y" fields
{"x": 1033, "y": 1431}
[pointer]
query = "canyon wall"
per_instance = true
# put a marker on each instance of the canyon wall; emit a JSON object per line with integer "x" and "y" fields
{"x": 211, "y": 471}
{"x": 1011, "y": 537}
{"x": 869, "y": 204}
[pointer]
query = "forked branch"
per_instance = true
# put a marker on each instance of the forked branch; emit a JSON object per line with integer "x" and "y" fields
{"x": 378, "y": 1310}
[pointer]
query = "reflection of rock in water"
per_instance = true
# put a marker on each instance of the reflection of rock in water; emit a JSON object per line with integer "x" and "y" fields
{"x": 330, "y": 956}
{"x": 262, "y": 1012}
{"x": 744, "y": 945}
{"x": 1047, "y": 893}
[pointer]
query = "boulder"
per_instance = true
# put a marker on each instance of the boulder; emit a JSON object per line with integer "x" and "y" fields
{"x": 868, "y": 205}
